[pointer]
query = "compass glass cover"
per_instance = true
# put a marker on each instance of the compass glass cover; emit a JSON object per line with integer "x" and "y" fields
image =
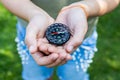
{"x": 57, "y": 34}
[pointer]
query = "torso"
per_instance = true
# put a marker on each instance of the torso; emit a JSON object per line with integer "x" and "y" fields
{"x": 52, "y": 7}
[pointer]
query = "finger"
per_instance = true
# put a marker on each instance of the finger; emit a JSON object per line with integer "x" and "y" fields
{"x": 52, "y": 49}
{"x": 73, "y": 43}
{"x": 44, "y": 48}
{"x": 61, "y": 58}
{"x": 69, "y": 57}
{"x": 63, "y": 52}
{"x": 77, "y": 38}
{"x": 56, "y": 63}
{"x": 44, "y": 60}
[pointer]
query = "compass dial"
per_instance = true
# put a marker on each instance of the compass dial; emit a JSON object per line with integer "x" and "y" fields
{"x": 58, "y": 34}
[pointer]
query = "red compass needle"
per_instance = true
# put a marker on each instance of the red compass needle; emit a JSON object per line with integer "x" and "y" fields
{"x": 54, "y": 32}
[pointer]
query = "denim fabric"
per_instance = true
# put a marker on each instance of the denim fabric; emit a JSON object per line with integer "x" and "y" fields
{"x": 75, "y": 69}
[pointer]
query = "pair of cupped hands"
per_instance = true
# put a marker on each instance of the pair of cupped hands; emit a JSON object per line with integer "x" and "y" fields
{"x": 74, "y": 18}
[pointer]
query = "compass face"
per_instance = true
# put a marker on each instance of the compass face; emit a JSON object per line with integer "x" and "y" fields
{"x": 58, "y": 34}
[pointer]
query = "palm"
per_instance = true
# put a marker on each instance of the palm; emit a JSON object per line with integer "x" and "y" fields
{"x": 77, "y": 22}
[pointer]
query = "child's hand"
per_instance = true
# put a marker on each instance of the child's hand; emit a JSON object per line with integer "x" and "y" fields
{"x": 34, "y": 33}
{"x": 76, "y": 19}
{"x": 35, "y": 30}
{"x": 50, "y": 49}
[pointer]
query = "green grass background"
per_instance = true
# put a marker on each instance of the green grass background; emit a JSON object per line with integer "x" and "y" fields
{"x": 106, "y": 65}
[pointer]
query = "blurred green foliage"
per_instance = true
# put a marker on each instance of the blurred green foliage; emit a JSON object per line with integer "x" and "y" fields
{"x": 106, "y": 65}
{"x": 10, "y": 67}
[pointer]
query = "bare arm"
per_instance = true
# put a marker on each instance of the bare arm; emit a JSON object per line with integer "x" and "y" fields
{"x": 74, "y": 16}
{"x": 38, "y": 20}
{"x": 23, "y": 8}
{"x": 98, "y": 7}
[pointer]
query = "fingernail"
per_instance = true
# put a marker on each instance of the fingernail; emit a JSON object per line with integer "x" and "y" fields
{"x": 70, "y": 48}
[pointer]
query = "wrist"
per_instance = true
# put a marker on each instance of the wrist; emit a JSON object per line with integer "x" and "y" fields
{"x": 89, "y": 6}
{"x": 75, "y": 6}
{"x": 39, "y": 20}
{"x": 97, "y": 7}
{"x": 38, "y": 14}
{"x": 82, "y": 7}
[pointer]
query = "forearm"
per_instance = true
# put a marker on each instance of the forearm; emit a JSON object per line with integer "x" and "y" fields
{"x": 23, "y": 8}
{"x": 98, "y": 7}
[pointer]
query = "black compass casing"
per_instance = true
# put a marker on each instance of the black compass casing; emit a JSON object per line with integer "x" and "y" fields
{"x": 58, "y": 34}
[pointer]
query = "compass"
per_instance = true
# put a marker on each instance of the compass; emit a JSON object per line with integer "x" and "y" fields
{"x": 58, "y": 34}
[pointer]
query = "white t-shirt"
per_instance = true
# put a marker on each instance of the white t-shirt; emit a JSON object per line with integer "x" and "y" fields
{"x": 52, "y": 7}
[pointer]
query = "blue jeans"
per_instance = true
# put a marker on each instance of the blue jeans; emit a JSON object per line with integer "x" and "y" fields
{"x": 75, "y": 69}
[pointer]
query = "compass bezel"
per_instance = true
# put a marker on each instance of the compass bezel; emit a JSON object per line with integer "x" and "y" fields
{"x": 59, "y": 25}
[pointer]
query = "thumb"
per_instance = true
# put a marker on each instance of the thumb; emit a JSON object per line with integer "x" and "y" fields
{"x": 76, "y": 39}
{"x": 31, "y": 38}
